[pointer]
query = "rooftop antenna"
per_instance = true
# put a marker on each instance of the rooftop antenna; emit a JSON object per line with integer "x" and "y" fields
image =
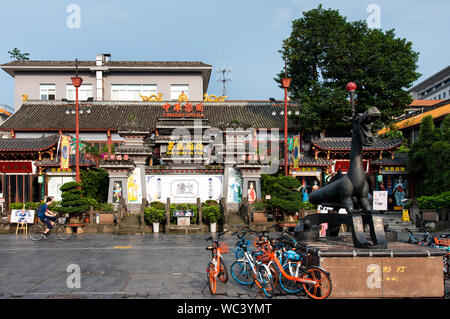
{"x": 224, "y": 74}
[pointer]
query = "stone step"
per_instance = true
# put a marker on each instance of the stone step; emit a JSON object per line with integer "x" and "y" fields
{"x": 234, "y": 220}
{"x": 131, "y": 220}
{"x": 129, "y": 230}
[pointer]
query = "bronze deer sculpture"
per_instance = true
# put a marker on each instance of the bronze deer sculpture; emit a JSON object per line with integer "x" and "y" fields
{"x": 350, "y": 192}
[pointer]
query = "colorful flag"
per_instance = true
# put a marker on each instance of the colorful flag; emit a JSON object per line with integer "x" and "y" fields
{"x": 296, "y": 150}
{"x": 290, "y": 143}
{"x": 65, "y": 151}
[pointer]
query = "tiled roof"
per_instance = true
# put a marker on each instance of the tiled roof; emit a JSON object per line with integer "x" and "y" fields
{"x": 51, "y": 115}
{"x": 344, "y": 144}
{"x": 436, "y": 111}
{"x": 3, "y": 111}
{"x": 417, "y": 103}
{"x": 28, "y": 144}
{"x": 399, "y": 159}
{"x": 308, "y": 160}
{"x": 72, "y": 159}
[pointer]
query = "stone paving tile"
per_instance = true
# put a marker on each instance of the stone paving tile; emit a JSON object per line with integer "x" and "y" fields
{"x": 157, "y": 266}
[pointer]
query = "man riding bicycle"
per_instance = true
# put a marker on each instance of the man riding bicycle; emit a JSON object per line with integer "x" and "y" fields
{"x": 46, "y": 216}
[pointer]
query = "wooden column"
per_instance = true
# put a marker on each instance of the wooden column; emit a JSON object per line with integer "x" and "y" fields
{"x": 199, "y": 205}
{"x": 168, "y": 212}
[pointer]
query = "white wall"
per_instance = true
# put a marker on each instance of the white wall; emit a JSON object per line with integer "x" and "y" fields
{"x": 184, "y": 188}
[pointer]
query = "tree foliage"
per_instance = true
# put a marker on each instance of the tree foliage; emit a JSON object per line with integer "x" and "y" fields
{"x": 72, "y": 201}
{"x": 95, "y": 183}
{"x": 324, "y": 52}
{"x": 18, "y": 56}
{"x": 429, "y": 158}
{"x": 283, "y": 191}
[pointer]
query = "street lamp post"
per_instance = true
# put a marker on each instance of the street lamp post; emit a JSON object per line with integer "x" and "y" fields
{"x": 285, "y": 83}
{"x": 76, "y": 81}
{"x": 351, "y": 87}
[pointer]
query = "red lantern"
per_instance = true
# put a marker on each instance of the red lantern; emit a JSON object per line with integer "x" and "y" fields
{"x": 76, "y": 81}
{"x": 286, "y": 82}
{"x": 351, "y": 86}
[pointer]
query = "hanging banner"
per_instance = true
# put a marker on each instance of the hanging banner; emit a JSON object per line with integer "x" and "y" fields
{"x": 65, "y": 151}
{"x": 290, "y": 143}
{"x": 296, "y": 150}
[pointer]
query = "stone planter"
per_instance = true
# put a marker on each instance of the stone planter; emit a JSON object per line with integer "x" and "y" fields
{"x": 259, "y": 217}
{"x": 106, "y": 219}
{"x": 429, "y": 215}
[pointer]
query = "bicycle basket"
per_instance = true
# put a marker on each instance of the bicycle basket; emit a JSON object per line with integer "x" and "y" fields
{"x": 262, "y": 255}
{"x": 224, "y": 248}
{"x": 258, "y": 243}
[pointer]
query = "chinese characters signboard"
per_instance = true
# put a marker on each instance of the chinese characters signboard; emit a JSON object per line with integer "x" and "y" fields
{"x": 183, "y": 110}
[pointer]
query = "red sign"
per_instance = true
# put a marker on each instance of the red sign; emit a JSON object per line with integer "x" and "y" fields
{"x": 113, "y": 157}
{"x": 344, "y": 166}
{"x": 16, "y": 167}
{"x": 183, "y": 110}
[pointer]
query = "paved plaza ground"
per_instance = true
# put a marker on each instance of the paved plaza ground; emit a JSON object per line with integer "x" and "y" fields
{"x": 151, "y": 266}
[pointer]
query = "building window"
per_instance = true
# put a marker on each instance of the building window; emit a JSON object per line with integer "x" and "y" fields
{"x": 444, "y": 94}
{"x": 177, "y": 89}
{"x": 47, "y": 91}
{"x": 131, "y": 92}
{"x": 84, "y": 92}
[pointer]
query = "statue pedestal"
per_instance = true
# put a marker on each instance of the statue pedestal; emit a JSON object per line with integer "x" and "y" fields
{"x": 402, "y": 271}
{"x": 357, "y": 222}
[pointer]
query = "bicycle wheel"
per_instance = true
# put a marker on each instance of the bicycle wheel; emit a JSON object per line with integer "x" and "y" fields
{"x": 223, "y": 272}
{"x": 288, "y": 285}
{"x": 322, "y": 288}
{"x": 446, "y": 267}
{"x": 35, "y": 232}
{"x": 63, "y": 232}
{"x": 264, "y": 281}
{"x": 211, "y": 279}
{"x": 275, "y": 275}
{"x": 242, "y": 272}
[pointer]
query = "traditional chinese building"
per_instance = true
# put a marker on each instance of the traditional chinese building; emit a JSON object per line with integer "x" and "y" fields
{"x": 184, "y": 150}
{"x": 173, "y": 143}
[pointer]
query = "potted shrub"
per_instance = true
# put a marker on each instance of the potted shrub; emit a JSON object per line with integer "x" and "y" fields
{"x": 155, "y": 214}
{"x": 73, "y": 203}
{"x": 431, "y": 207}
{"x": 428, "y": 208}
{"x": 212, "y": 214}
{"x": 192, "y": 207}
{"x": 107, "y": 213}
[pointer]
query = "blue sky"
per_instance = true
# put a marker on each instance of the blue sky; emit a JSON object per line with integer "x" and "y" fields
{"x": 247, "y": 33}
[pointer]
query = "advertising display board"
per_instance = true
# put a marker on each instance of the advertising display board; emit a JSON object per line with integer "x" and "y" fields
{"x": 22, "y": 216}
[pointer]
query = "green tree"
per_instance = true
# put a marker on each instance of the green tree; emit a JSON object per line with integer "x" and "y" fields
{"x": 429, "y": 158}
{"x": 393, "y": 134}
{"x": 18, "y": 56}
{"x": 283, "y": 191}
{"x": 95, "y": 183}
{"x": 324, "y": 52}
{"x": 72, "y": 201}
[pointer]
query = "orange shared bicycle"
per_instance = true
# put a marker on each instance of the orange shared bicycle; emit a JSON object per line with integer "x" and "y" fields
{"x": 315, "y": 281}
{"x": 216, "y": 267}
